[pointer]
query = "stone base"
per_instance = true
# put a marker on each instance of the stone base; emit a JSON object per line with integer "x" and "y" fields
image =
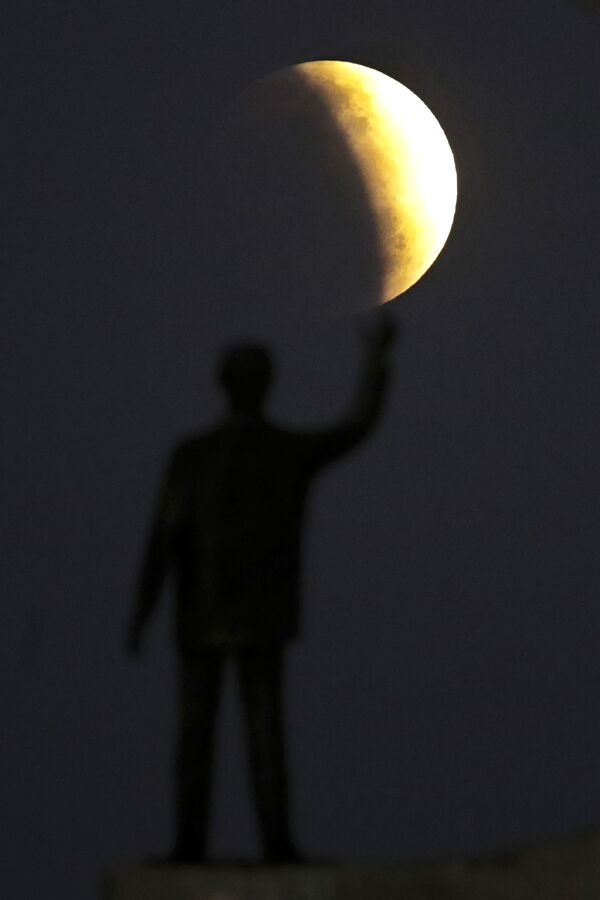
{"x": 298, "y": 882}
{"x": 553, "y": 870}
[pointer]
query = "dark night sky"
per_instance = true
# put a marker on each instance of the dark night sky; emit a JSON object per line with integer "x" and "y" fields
{"x": 444, "y": 697}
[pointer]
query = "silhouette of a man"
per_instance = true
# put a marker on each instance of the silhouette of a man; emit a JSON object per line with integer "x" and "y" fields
{"x": 229, "y": 524}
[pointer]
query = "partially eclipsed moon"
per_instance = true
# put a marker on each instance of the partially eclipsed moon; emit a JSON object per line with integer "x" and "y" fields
{"x": 328, "y": 187}
{"x": 405, "y": 159}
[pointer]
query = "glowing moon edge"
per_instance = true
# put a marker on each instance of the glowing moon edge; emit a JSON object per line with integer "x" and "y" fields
{"x": 405, "y": 159}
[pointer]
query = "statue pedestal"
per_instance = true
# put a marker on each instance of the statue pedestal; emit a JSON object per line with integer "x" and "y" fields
{"x": 305, "y": 882}
{"x": 552, "y": 870}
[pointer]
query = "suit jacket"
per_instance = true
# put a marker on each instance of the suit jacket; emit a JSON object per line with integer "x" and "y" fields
{"x": 229, "y": 523}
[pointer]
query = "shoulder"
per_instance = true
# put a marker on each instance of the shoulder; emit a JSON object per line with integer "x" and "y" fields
{"x": 297, "y": 446}
{"x": 189, "y": 443}
{"x": 187, "y": 450}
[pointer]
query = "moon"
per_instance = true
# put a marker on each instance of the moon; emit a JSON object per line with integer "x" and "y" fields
{"x": 406, "y": 161}
{"x": 328, "y": 187}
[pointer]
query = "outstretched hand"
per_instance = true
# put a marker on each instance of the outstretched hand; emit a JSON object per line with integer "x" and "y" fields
{"x": 382, "y": 335}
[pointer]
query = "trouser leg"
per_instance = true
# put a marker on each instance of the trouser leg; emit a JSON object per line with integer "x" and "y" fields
{"x": 260, "y": 673}
{"x": 199, "y": 683}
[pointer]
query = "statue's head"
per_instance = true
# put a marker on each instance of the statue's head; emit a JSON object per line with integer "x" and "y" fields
{"x": 246, "y": 373}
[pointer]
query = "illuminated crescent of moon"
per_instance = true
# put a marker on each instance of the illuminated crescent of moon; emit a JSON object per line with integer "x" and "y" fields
{"x": 405, "y": 160}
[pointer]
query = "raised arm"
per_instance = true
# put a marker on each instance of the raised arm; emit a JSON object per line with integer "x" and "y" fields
{"x": 160, "y": 547}
{"x": 370, "y": 394}
{"x": 368, "y": 400}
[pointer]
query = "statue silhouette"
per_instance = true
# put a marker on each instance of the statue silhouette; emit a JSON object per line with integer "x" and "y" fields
{"x": 229, "y": 523}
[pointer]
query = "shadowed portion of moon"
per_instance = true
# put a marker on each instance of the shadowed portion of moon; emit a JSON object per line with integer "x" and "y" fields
{"x": 286, "y": 199}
